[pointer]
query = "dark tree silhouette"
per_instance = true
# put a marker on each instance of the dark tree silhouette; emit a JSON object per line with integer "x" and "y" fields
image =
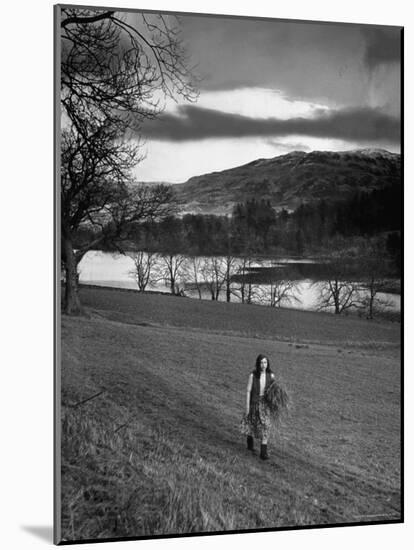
{"x": 174, "y": 271}
{"x": 116, "y": 70}
{"x": 377, "y": 270}
{"x": 340, "y": 289}
{"x": 97, "y": 191}
{"x": 145, "y": 271}
{"x": 118, "y": 67}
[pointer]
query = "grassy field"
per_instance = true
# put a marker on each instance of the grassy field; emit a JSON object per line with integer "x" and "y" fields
{"x": 159, "y": 452}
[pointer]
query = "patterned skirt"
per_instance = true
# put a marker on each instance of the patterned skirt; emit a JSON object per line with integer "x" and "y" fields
{"x": 257, "y": 422}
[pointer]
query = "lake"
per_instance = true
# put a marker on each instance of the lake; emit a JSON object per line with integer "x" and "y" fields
{"x": 115, "y": 270}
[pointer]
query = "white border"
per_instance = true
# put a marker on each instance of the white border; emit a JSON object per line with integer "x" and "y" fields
{"x": 26, "y": 487}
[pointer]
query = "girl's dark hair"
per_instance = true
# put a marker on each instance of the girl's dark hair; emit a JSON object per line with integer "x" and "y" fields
{"x": 257, "y": 369}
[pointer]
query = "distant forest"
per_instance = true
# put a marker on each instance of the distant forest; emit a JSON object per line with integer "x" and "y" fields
{"x": 255, "y": 228}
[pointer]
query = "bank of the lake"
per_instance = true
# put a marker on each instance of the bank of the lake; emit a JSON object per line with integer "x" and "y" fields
{"x": 292, "y": 325}
{"x": 116, "y": 270}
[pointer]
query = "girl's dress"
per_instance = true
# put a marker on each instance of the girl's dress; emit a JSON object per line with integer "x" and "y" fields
{"x": 257, "y": 423}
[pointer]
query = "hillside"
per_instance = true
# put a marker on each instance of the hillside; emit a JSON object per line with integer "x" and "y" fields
{"x": 157, "y": 448}
{"x": 288, "y": 180}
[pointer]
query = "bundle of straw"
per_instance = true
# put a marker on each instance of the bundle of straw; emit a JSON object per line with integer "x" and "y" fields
{"x": 277, "y": 399}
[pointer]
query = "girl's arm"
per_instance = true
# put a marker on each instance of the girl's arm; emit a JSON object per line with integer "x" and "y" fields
{"x": 249, "y": 389}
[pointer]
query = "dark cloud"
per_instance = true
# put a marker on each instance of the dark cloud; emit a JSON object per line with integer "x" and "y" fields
{"x": 383, "y": 45}
{"x": 196, "y": 123}
{"x": 327, "y": 63}
{"x": 306, "y": 60}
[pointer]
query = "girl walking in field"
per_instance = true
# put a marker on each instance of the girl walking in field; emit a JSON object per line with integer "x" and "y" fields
{"x": 265, "y": 400}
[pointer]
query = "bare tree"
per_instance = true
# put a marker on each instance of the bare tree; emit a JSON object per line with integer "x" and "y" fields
{"x": 214, "y": 274}
{"x": 376, "y": 270}
{"x": 118, "y": 67}
{"x": 372, "y": 302}
{"x": 282, "y": 291}
{"x": 341, "y": 295}
{"x": 174, "y": 272}
{"x": 97, "y": 192}
{"x": 246, "y": 291}
{"x": 229, "y": 266}
{"x": 115, "y": 71}
{"x": 144, "y": 272}
{"x": 340, "y": 290}
{"x": 195, "y": 268}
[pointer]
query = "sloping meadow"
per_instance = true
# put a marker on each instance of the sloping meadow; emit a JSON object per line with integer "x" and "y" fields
{"x": 151, "y": 413}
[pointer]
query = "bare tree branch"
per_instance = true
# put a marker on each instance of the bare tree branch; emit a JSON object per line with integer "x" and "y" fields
{"x": 84, "y": 20}
{"x": 114, "y": 76}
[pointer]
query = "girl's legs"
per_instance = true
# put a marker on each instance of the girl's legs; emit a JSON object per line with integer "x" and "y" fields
{"x": 250, "y": 441}
{"x": 263, "y": 449}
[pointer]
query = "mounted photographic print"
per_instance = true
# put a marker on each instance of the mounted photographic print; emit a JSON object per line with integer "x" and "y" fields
{"x": 228, "y": 274}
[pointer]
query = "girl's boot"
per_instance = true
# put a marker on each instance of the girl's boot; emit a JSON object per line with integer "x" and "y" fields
{"x": 263, "y": 452}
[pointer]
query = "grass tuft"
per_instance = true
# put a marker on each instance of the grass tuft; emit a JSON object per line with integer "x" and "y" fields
{"x": 135, "y": 481}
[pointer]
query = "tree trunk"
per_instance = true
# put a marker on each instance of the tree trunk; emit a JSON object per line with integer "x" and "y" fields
{"x": 72, "y": 305}
{"x": 228, "y": 283}
{"x": 337, "y": 305}
{"x": 336, "y": 297}
{"x": 242, "y": 293}
{"x": 272, "y": 297}
{"x": 371, "y": 300}
{"x": 249, "y": 293}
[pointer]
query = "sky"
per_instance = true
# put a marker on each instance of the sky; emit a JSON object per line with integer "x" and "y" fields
{"x": 269, "y": 87}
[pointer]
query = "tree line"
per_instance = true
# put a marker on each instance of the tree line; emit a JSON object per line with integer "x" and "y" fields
{"x": 256, "y": 228}
{"x": 227, "y": 276}
{"x": 349, "y": 279}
